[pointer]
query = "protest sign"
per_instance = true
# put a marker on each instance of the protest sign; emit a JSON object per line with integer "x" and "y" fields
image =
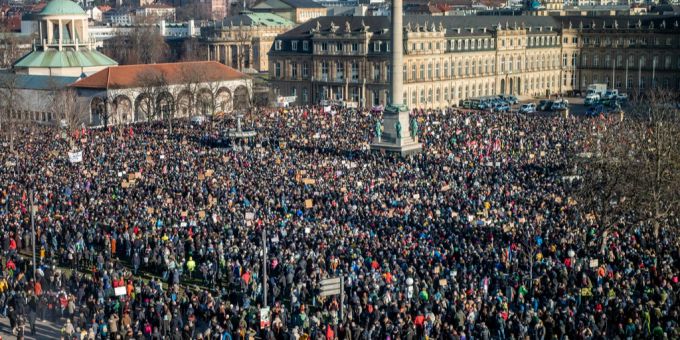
{"x": 120, "y": 291}
{"x": 75, "y": 157}
{"x": 309, "y": 203}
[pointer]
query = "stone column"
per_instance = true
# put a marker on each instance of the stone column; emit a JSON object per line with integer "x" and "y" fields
{"x": 396, "y": 114}
{"x": 61, "y": 31}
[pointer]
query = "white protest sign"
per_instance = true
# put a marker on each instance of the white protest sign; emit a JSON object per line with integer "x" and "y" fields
{"x": 75, "y": 157}
{"x": 120, "y": 291}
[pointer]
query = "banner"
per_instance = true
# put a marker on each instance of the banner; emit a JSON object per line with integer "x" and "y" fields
{"x": 120, "y": 291}
{"x": 75, "y": 157}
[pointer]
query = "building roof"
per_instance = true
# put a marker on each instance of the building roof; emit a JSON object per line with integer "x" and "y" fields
{"x": 62, "y": 7}
{"x": 64, "y": 59}
{"x": 256, "y": 19}
{"x": 128, "y": 76}
{"x": 380, "y": 25}
{"x": 35, "y": 82}
{"x": 286, "y": 4}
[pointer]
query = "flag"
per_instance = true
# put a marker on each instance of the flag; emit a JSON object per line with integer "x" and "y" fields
{"x": 132, "y": 133}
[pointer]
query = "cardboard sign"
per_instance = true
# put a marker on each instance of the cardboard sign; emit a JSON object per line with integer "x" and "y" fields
{"x": 308, "y": 181}
{"x": 445, "y": 188}
{"x": 201, "y": 214}
{"x": 594, "y": 263}
{"x": 443, "y": 282}
{"x": 250, "y": 216}
{"x": 149, "y": 210}
{"x": 309, "y": 203}
{"x": 120, "y": 291}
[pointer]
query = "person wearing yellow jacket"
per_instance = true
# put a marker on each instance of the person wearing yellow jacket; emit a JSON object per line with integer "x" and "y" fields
{"x": 191, "y": 266}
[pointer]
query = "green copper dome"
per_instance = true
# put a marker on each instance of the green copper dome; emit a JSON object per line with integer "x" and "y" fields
{"x": 62, "y": 7}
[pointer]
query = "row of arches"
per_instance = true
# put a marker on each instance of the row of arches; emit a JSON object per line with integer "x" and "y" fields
{"x": 149, "y": 106}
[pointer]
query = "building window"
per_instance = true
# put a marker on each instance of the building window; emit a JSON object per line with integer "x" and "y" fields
{"x": 437, "y": 95}
{"x": 338, "y": 47}
{"x": 294, "y": 45}
{"x": 422, "y": 96}
{"x": 388, "y": 72}
{"x": 460, "y": 68}
{"x": 340, "y": 71}
{"x": 467, "y": 68}
{"x": 429, "y": 96}
{"x": 387, "y": 46}
{"x": 474, "y": 67}
{"x": 446, "y": 93}
{"x": 376, "y": 72}
{"x": 436, "y": 70}
{"x": 414, "y": 97}
{"x": 422, "y": 72}
{"x": 404, "y": 74}
{"x": 414, "y": 74}
{"x": 446, "y": 69}
{"x": 355, "y": 71}
{"x": 667, "y": 62}
{"x": 355, "y": 47}
{"x": 305, "y": 70}
{"x": 324, "y": 46}
{"x": 324, "y": 70}
{"x": 429, "y": 71}
{"x": 607, "y": 60}
{"x": 278, "y": 45}
{"x": 376, "y": 46}
{"x": 278, "y": 70}
{"x": 294, "y": 70}
{"x": 305, "y": 45}
{"x": 305, "y": 96}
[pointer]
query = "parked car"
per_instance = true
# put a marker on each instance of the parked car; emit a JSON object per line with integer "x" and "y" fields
{"x": 528, "y": 108}
{"x": 545, "y": 105}
{"x": 502, "y": 107}
{"x": 559, "y": 105}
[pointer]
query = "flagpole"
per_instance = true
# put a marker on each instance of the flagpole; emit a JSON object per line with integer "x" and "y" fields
{"x": 626, "y": 80}
{"x": 653, "y": 71}
{"x": 639, "y": 74}
{"x": 614, "y": 73}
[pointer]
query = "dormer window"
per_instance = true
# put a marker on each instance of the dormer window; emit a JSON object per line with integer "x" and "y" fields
{"x": 277, "y": 45}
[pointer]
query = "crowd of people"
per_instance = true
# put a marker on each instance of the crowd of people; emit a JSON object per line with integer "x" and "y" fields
{"x": 156, "y": 235}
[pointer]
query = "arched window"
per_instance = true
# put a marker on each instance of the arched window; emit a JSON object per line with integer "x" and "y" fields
{"x": 422, "y": 71}
{"x": 467, "y": 68}
{"x": 446, "y": 69}
{"x": 422, "y": 96}
{"x": 429, "y": 71}
{"x": 438, "y": 95}
{"x": 429, "y": 96}
{"x": 474, "y": 67}
{"x": 414, "y": 75}
{"x": 436, "y": 70}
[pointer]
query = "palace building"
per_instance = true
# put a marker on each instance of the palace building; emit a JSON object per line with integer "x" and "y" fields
{"x": 448, "y": 59}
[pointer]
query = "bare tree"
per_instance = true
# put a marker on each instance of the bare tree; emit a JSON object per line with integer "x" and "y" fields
{"x": 10, "y": 46}
{"x": 143, "y": 44}
{"x": 634, "y": 166}
{"x": 69, "y": 110}
{"x": 10, "y": 105}
{"x": 152, "y": 84}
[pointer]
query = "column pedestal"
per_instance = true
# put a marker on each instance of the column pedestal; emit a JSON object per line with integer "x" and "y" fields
{"x": 389, "y": 141}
